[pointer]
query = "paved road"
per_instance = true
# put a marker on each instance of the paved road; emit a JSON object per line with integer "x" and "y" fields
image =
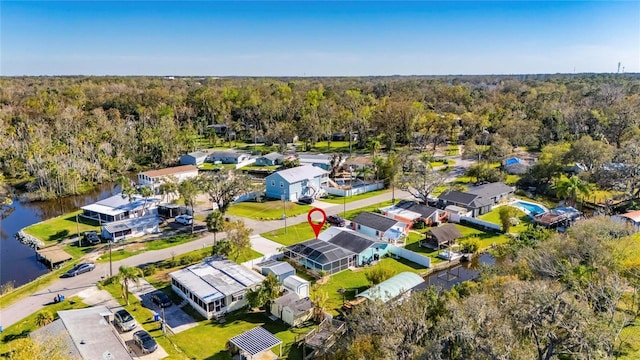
{"x": 71, "y": 286}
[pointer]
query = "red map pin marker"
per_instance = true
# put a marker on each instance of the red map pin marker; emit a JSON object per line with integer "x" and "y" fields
{"x": 316, "y": 226}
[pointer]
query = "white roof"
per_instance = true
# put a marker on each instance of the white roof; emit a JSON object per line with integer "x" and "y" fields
{"x": 293, "y": 282}
{"x": 301, "y": 173}
{"x": 117, "y": 204}
{"x": 215, "y": 279}
{"x": 404, "y": 213}
{"x": 314, "y": 158}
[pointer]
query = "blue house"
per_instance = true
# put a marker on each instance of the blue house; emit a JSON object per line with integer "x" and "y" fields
{"x": 296, "y": 182}
{"x": 193, "y": 158}
{"x": 270, "y": 159}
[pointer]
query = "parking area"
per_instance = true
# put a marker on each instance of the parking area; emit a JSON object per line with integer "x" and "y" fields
{"x": 175, "y": 317}
{"x": 127, "y": 337}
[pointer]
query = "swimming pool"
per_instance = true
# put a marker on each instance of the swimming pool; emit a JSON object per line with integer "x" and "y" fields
{"x": 530, "y": 208}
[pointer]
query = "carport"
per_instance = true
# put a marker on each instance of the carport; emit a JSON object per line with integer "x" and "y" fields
{"x": 255, "y": 341}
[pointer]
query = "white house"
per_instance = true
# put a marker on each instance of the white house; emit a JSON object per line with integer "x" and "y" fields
{"x": 214, "y": 286}
{"x": 296, "y": 182}
{"x": 130, "y": 228}
{"x": 380, "y": 227}
{"x": 318, "y": 160}
{"x": 116, "y": 208}
{"x": 194, "y": 158}
{"x": 155, "y": 178}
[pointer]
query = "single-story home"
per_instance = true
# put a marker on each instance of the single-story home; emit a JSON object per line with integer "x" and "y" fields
{"x": 214, "y": 286}
{"x": 294, "y": 183}
{"x": 322, "y": 161}
{"x": 336, "y": 250}
{"x": 474, "y": 203}
{"x": 116, "y": 208}
{"x": 380, "y": 227}
{"x": 228, "y": 157}
{"x": 441, "y": 236}
{"x": 281, "y": 269}
{"x": 270, "y": 159}
{"x": 496, "y": 192}
{"x": 355, "y": 163}
{"x": 155, "y": 178}
{"x": 410, "y": 211}
{"x": 631, "y": 218}
{"x": 297, "y": 285}
{"x": 194, "y": 158}
{"x": 86, "y": 334}
{"x": 393, "y": 288}
{"x": 131, "y": 228}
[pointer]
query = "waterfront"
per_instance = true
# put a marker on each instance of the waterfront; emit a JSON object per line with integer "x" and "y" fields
{"x": 18, "y": 262}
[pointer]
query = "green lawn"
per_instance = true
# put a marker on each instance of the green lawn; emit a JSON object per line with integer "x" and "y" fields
{"x": 334, "y": 199}
{"x": 512, "y": 179}
{"x": 61, "y": 227}
{"x": 336, "y": 146}
{"x": 211, "y": 166}
{"x": 123, "y": 251}
{"x": 261, "y": 168}
{"x": 27, "y": 325}
{"x": 356, "y": 281}
{"x": 494, "y": 217}
{"x": 353, "y": 213}
{"x": 268, "y": 210}
{"x": 293, "y": 235}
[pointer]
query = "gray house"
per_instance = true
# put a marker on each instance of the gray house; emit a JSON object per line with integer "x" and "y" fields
{"x": 194, "y": 158}
{"x": 318, "y": 160}
{"x": 472, "y": 202}
{"x": 270, "y": 159}
{"x": 281, "y": 269}
{"x": 228, "y": 157}
{"x": 497, "y": 192}
{"x": 296, "y": 182}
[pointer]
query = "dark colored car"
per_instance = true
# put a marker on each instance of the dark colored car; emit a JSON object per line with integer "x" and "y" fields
{"x": 306, "y": 200}
{"x": 124, "y": 320}
{"x": 80, "y": 269}
{"x": 92, "y": 237}
{"x": 161, "y": 299}
{"x": 336, "y": 220}
{"x": 146, "y": 343}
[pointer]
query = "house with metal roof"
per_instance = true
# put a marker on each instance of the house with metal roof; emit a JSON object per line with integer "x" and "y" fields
{"x": 322, "y": 161}
{"x": 117, "y": 207}
{"x": 228, "y": 157}
{"x": 194, "y": 158}
{"x": 87, "y": 334}
{"x": 270, "y": 159}
{"x": 215, "y": 286}
{"x": 297, "y": 285}
{"x": 393, "y": 287}
{"x": 631, "y": 219}
{"x": 409, "y": 211}
{"x": 292, "y": 184}
{"x": 130, "y": 228}
{"x": 336, "y": 251}
{"x": 281, "y": 269}
{"x": 380, "y": 227}
{"x": 155, "y": 178}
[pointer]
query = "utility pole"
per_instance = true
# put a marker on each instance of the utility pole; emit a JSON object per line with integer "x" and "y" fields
{"x": 78, "y": 231}
{"x": 110, "y": 262}
{"x": 284, "y": 212}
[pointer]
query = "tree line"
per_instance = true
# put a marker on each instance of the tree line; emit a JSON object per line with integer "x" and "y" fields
{"x": 62, "y": 134}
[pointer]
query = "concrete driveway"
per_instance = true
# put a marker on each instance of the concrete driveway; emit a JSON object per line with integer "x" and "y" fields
{"x": 175, "y": 317}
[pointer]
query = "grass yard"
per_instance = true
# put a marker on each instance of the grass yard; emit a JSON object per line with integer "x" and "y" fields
{"x": 494, "y": 217}
{"x": 211, "y": 166}
{"x": 334, "y": 199}
{"x": 336, "y": 146}
{"x": 294, "y": 234}
{"x": 512, "y": 179}
{"x": 353, "y": 213}
{"x": 123, "y": 251}
{"x": 356, "y": 281}
{"x": 268, "y": 210}
{"x": 61, "y": 227}
{"x": 266, "y": 168}
{"x": 27, "y": 325}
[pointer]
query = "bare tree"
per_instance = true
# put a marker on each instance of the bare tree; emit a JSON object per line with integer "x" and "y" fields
{"x": 423, "y": 180}
{"x": 224, "y": 187}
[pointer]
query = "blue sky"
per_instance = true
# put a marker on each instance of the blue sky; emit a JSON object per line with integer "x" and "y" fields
{"x": 327, "y": 38}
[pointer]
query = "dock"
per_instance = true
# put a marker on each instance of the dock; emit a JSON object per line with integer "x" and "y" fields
{"x": 53, "y": 256}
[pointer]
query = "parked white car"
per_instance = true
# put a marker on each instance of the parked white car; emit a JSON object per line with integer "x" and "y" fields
{"x": 184, "y": 219}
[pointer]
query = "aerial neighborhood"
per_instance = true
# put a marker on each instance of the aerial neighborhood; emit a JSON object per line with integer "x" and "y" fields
{"x": 246, "y": 244}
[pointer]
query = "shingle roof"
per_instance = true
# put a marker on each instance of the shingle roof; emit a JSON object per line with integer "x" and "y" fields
{"x": 255, "y": 341}
{"x": 374, "y": 221}
{"x": 170, "y": 171}
{"x": 490, "y": 190}
{"x": 300, "y": 173}
{"x": 458, "y": 197}
{"x": 286, "y": 299}
{"x": 445, "y": 233}
{"x": 393, "y": 287}
{"x": 351, "y": 241}
{"x": 300, "y": 306}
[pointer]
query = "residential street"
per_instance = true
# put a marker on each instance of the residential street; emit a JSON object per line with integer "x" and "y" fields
{"x": 71, "y": 286}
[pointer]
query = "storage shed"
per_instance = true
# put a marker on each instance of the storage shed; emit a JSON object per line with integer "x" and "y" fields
{"x": 297, "y": 285}
{"x": 281, "y": 269}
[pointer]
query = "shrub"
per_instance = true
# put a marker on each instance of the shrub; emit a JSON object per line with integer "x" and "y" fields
{"x": 7, "y": 287}
{"x": 149, "y": 270}
{"x": 186, "y": 260}
{"x": 378, "y": 274}
{"x": 418, "y": 224}
{"x": 470, "y": 246}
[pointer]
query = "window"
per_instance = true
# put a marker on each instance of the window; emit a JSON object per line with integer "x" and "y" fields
{"x": 281, "y": 184}
{"x": 237, "y": 297}
{"x": 358, "y": 226}
{"x": 377, "y": 233}
{"x": 273, "y": 183}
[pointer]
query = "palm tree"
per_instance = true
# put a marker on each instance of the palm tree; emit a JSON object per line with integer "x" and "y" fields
{"x": 374, "y": 147}
{"x": 572, "y": 187}
{"x": 126, "y": 274}
{"x": 168, "y": 187}
{"x": 319, "y": 299}
{"x": 215, "y": 224}
{"x": 44, "y": 317}
{"x": 146, "y": 192}
{"x": 272, "y": 288}
{"x": 188, "y": 191}
{"x": 365, "y": 172}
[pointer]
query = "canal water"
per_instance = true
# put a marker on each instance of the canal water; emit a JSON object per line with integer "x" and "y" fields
{"x": 458, "y": 273}
{"x": 18, "y": 262}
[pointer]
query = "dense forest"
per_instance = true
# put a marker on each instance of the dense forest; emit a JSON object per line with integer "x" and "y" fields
{"x": 555, "y": 296}
{"x": 62, "y": 134}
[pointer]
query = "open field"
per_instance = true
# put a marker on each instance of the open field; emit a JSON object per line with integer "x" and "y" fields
{"x": 268, "y": 210}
